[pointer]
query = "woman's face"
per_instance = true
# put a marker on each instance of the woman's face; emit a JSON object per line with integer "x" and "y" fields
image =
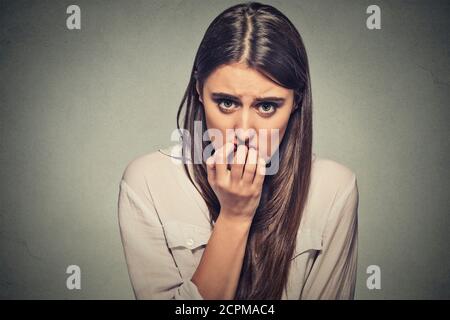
{"x": 242, "y": 99}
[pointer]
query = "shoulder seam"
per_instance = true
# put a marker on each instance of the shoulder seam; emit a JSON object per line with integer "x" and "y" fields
{"x": 340, "y": 202}
{"x": 136, "y": 199}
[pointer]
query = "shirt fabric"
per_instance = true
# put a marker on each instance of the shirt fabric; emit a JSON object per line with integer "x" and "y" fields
{"x": 164, "y": 228}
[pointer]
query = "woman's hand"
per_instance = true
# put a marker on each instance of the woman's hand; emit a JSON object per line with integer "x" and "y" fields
{"x": 238, "y": 189}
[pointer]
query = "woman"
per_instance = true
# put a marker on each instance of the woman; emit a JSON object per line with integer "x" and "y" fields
{"x": 221, "y": 227}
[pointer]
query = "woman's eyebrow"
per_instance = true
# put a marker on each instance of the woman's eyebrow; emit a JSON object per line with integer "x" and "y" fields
{"x": 221, "y": 95}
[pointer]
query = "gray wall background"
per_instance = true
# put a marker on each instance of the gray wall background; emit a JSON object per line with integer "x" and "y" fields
{"x": 77, "y": 106}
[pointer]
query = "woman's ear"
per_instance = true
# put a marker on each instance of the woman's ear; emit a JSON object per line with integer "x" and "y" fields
{"x": 197, "y": 86}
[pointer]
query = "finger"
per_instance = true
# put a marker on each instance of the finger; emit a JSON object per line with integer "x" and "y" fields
{"x": 250, "y": 166}
{"x": 238, "y": 165}
{"x": 221, "y": 160}
{"x": 260, "y": 173}
{"x": 211, "y": 168}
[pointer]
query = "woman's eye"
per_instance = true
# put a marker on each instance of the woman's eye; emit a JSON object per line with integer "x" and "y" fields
{"x": 267, "y": 108}
{"x": 225, "y": 104}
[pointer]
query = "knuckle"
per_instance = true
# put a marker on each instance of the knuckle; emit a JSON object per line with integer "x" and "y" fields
{"x": 249, "y": 168}
{"x": 242, "y": 148}
{"x": 210, "y": 161}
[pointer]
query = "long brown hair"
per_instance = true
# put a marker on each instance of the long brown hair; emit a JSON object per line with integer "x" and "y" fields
{"x": 267, "y": 41}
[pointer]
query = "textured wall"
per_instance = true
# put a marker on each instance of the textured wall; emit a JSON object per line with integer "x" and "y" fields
{"x": 76, "y": 106}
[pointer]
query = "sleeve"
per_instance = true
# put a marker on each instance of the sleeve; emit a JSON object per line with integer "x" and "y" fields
{"x": 333, "y": 274}
{"x": 151, "y": 267}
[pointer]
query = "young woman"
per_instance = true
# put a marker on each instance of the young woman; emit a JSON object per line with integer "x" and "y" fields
{"x": 219, "y": 229}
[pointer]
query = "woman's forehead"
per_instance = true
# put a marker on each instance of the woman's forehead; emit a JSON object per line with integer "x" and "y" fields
{"x": 242, "y": 81}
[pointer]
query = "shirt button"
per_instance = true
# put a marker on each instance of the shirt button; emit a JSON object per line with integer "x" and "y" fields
{"x": 190, "y": 242}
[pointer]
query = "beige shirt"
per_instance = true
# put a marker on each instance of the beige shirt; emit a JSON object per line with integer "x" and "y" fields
{"x": 164, "y": 225}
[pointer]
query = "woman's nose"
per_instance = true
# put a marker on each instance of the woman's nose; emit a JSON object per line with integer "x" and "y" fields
{"x": 245, "y": 131}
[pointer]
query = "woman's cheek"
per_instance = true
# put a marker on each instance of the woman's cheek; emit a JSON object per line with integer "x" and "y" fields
{"x": 267, "y": 146}
{"x": 264, "y": 148}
